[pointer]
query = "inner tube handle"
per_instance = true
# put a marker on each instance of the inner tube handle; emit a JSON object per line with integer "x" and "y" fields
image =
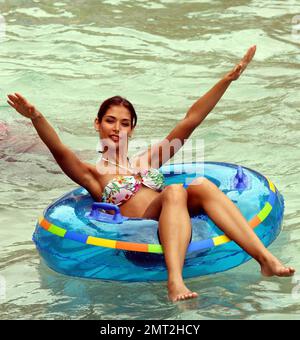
{"x": 104, "y": 217}
{"x": 240, "y": 180}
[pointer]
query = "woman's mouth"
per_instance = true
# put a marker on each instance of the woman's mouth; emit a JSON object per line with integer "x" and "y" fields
{"x": 115, "y": 138}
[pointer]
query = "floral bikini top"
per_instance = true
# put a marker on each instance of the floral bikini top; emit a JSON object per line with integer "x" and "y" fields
{"x": 122, "y": 187}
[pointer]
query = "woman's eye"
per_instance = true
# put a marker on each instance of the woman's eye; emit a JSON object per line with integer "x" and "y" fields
{"x": 110, "y": 121}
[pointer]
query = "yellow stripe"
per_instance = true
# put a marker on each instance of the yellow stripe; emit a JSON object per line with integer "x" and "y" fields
{"x": 95, "y": 241}
{"x": 265, "y": 211}
{"x": 221, "y": 240}
{"x": 272, "y": 186}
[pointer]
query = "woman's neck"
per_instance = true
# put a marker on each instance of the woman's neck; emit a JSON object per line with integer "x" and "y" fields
{"x": 116, "y": 157}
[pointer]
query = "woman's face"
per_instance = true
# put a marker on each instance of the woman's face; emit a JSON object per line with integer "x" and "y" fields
{"x": 115, "y": 125}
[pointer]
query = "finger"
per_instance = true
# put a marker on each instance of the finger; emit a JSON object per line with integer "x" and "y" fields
{"x": 250, "y": 53}
{"x": 247, "y": 58}
{"x": 250, "y": 56}
{"x": 11, "y": 103}
{"x": 21, "y": 98}
{"x": 12, "y": 98}
{"x": 253, "y": 48}
{"x": 247, "y": 55}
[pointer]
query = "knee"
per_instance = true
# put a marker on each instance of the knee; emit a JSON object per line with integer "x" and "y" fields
{"x": 200, "y": 181}
{"x": 175, "y": 193}
{"x": 201, "y": 187}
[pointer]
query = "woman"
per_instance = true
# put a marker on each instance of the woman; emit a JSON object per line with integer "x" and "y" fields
{"x": 140, "y": 192}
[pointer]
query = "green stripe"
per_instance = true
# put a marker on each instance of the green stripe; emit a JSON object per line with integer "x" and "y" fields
{"x": 57, "y": 230}
{"x": 265, "y": 211}
{"x": 155, "y": 248}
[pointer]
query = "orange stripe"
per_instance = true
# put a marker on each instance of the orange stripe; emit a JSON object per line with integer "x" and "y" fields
{"x": 254, "y": 222}
{"x": 45, "y": 224}
{"x": 132, "y": 246}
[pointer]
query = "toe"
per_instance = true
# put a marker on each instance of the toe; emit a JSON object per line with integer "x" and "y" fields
{"x": 292, "y": 270}
{"x": 287, "y": 271}
{"x": 179, "y": 298}
{"x": 183, "y": 296}
{"x": 283, "y": 272}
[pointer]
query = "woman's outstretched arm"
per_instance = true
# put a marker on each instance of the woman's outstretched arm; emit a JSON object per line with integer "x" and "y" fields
{"x": 72, "y": 166}
{"x": 161, "y": 152}
{"x": 203, "y": 106}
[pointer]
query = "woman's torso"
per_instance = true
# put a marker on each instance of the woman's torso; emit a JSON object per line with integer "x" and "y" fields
{"x": 133, "y": 207}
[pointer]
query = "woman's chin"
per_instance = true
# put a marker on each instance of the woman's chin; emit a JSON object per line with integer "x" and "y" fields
{"x": 111, "y": 143}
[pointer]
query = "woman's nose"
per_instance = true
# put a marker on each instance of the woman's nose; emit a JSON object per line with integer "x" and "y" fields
{"x": 117, "y": 126}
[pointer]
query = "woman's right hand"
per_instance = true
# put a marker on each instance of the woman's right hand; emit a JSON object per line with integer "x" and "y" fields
{"x": 242, "y": 65}
{"x": 21, "y": 105}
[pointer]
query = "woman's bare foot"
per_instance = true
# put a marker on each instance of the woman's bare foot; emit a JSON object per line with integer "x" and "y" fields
{"x": 177, "y": 291}
{"x": 273, "y": 267}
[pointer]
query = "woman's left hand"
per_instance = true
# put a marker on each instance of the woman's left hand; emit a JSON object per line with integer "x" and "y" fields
{"x": 241, "y": 66}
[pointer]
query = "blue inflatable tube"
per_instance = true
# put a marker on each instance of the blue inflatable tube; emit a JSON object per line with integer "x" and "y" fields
{"x": 76, "y": 237}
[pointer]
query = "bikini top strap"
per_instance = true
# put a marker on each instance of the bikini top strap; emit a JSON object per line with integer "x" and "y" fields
{"x": 120, "y": 166}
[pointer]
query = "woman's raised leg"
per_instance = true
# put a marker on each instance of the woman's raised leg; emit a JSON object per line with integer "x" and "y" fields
{"x": 175, "y": 234}
{"x": 202, "y": 193}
